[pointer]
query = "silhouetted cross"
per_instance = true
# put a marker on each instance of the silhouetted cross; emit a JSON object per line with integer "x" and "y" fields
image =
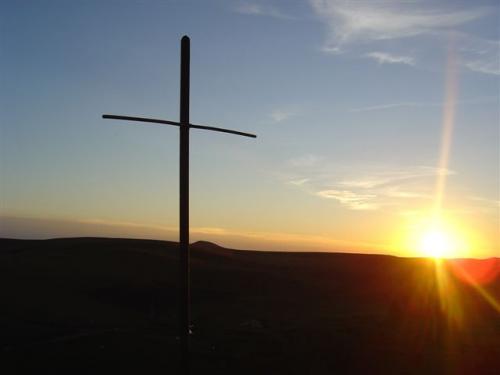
{"x": 184, "y": 126}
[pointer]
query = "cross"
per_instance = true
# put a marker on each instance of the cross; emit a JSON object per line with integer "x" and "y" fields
{"x": 184, "y": 126}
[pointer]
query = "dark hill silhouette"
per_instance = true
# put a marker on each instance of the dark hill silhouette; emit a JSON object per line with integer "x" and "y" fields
{"x": 206, "y": 245}
{"x": 204, "y": 249}
{"x": 104, "y": 305}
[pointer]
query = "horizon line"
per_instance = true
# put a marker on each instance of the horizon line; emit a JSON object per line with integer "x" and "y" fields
{"x": 248, "y": 250}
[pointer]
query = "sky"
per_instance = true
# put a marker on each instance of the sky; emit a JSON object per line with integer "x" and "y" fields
{"x": 371, "y": 116}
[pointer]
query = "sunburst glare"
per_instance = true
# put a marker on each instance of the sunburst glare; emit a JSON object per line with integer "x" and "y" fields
{"x": 436, "y": 244}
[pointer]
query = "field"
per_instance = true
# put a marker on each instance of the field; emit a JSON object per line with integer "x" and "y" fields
{"x": 95, "y": 306}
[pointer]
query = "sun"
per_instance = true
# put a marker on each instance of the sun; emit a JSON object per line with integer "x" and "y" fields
{"x": 431, "y": 237}
{"x": 436, "y": 243}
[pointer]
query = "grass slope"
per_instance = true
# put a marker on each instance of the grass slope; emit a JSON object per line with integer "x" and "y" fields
{"x": 95, "y": 305}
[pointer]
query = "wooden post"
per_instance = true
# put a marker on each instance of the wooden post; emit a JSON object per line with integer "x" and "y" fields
{"x": 184, "y": 206}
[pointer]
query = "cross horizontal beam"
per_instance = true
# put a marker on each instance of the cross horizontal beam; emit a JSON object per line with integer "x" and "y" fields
{"x": 175, "y": 123}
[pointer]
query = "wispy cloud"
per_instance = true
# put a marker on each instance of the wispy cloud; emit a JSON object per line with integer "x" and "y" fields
{"x": 279, "y": 115}
{"x": 392, "y": 176}
{"x": 397, "y": 192}
{"x": 389, "y": 106}
{"x": 261, "y": 9}
{"x": 482, "y": 66}
{"x": 299, "y": 182}
{"x": 478, "y": 100}
{"x": 307, "y": 160}
{"x": 479, "y": 55}
{"x": 387, "y": 58}
{"x": 354, "y": 201}
{"x": 359, "y": 27}
{"x": 376, "y": 188}
{"x": 126, "y": 224}
{"x": 485, "y": 205}
{"x": 349, "y": 21}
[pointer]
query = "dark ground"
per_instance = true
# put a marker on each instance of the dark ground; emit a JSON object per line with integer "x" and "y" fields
{"x": 94, "y": 306}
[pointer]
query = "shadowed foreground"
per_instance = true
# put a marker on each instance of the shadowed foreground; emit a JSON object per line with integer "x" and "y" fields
{"x": 91, "y": 306}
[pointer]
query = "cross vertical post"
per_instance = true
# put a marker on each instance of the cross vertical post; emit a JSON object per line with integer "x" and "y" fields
{"x": 185, "y": 313}
{"x": 184, "y": 127}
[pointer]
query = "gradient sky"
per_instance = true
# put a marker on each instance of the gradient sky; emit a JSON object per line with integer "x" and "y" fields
{"x": 349, "y": 101}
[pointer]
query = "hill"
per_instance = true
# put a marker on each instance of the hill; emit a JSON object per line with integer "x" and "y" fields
{"x": 97, "y": 305}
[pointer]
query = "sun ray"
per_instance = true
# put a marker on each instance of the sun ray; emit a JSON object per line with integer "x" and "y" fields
{"x": 451, "y": 91}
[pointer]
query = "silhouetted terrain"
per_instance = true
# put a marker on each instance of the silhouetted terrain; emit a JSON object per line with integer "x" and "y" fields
{"x": 92, "y": 306}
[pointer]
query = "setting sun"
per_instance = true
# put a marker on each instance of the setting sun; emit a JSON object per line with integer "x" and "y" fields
{"x": 437, "y": 244}
{"x": 439, "y": 238}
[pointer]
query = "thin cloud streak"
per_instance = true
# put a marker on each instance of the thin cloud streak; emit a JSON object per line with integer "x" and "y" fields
{"x": 398, "y": 175}
{"x": 352, "y": 200}
{"x": 387, "y": 58}
{"x": 279, "y": 115}
{"x": 479, "y": 100}
{"x": 255, "y": 9}
{"x": 368, "y": 20}
{"x": 392, "y": 105}
{"x": 308, "y": 160}
{"x": 479, "y": 55}
{"x": 383, "y": 187}
{"x": 300, "y": 182}
{"x": 487, "y": 67}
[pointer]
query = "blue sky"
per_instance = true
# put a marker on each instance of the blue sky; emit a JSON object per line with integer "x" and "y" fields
{"x": 347, "y": 99}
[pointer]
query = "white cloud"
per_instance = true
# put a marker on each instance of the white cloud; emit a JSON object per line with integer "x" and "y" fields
{"x": 331, "y": 50}
{"x": 308, "y": 160}
{"x": 349, "y": 21}
{"x": 352, "y": 200}
{"x": 279, "y": 115}
{"x": 397, "y": 192}
{"x": 479, "y": 55}
{"x": 256, "y": 9}
{"x": 387, "y": 58}
{"x": 389, "y": 106}
{"x": 383, "y": 186}
{"x": 389, "y": 177}
{"x": 361, "y": 26}
{"x": 469, "y": 101}
{"x": 299, "y": 182}
{"x": 481, "y": 66}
